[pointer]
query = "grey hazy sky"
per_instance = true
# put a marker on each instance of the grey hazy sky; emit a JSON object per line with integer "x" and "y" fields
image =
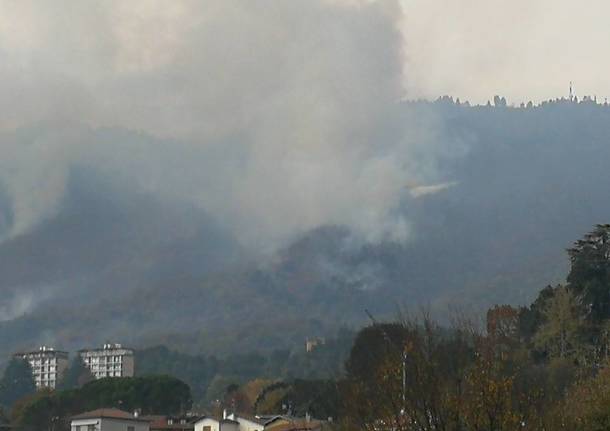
{"x": 522, "y": 49}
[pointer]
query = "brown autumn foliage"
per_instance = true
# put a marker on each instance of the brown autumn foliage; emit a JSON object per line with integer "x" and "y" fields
{"x": 458, "y": 379}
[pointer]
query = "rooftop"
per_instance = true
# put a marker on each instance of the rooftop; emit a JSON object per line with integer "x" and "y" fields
{"x": 161, "y": 422}
{"x": 301, "y": 425}
{"x": 110, "y": 413}
{"x": 217, "y": 419}
{"x": 42, "y": 350}
{"x": 255, "y": 419}
{"x": 107, "y": 348}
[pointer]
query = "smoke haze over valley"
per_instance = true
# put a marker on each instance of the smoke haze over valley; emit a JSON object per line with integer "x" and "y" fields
{"x": 181, "y": 171}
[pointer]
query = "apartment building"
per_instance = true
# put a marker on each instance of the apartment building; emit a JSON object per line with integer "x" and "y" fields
{"x": 112, "y": 360}
{"x": 48, "y": 365}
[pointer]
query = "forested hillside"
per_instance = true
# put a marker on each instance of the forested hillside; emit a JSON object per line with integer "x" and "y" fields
{"x": 516, "y": 186}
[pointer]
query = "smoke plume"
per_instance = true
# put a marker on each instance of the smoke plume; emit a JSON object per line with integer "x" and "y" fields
{"x": 275, "y": 117}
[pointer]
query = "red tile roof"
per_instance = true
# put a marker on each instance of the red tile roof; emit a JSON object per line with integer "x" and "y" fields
{"x": 111, "y": 413}
{"x": 298, "y": 426}
{"x": 160, "y": 422}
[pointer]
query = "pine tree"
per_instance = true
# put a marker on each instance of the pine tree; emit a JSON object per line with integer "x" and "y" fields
{"x": 76, "y": 375}
{"x": 17, "y": 382}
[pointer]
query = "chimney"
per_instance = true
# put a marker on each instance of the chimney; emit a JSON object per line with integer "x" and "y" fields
{"x": 224, "y": 413}
{"x": 136, "y": 413}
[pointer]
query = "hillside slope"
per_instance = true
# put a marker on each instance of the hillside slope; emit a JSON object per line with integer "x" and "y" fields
{"x": 116, "y": 263}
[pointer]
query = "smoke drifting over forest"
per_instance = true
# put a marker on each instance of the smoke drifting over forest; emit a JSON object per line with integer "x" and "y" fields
{"x": 241, "y": 160}
{"x": 274, "y": 117}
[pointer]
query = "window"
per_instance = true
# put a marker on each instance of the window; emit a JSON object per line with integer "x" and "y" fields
{"x": 131, "y": 428}
{"x": 207, "y": 428}
{"x": 90, "y": 427}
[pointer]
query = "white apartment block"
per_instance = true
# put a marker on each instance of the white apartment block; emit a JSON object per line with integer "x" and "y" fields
{"x": 112, "y": 360}
{"x": 48, "y": 365}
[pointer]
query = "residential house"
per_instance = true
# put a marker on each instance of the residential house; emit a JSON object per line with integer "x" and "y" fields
{"x": 109, "y": 420}
{"x": 248, "y": 423}
{"x": 291, "y": 423}
{"x": 172, "y": 423}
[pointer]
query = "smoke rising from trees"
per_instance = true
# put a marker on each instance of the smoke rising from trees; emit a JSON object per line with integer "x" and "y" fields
{"x": 275, "y": 117}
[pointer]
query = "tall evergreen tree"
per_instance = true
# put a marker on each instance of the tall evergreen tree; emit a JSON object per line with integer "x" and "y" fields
{"x": 17, "y": 382}
{"x": 76, "y": 375}
{"x": 589, "y": 275}
{"x": 3, "y": 417}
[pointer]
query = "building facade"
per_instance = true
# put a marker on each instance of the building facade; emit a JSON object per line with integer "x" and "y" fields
{"x": 48, "y": 365}
{"x": 248, "y": 423}
{"x": 313, "y": 343}
{"x": 108, "y": 420}
{"x": 172, "y": 423}
{"x": 209, "y": 423}
{"x": 112, "y": 360}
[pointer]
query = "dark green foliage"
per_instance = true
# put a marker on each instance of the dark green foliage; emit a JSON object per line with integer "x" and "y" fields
{"x": 245, "y": 366}
{"x": 201, "y": 372}
{"x": 17, "y": 382}
{"x": 589, "y": 283}
{"x": 220, "y": 386}
{"x": 197, "y": 371}
{"x": 371, "y": 344}
{"x": 3, "y": 417}
{"x": 325, "y": 361}
{"x": 530, "y": 318}
{"x": 76, "y": 375}
{"x": 43, "y": 410}
{"x": 589, "y": 275}
{"x": 152, "y": 394}
{"x": 269, "y": 389}
{"x": 320, "y": 398}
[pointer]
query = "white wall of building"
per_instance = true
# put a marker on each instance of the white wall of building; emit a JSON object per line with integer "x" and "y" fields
{"x": 248, "y": 425}
{"x": 113, "y": 360}
{"x": 47, "y": 366}
{"x": 201, "y": 425}
{"x": 229, "y": 426}
{"x": 107, "y": 424}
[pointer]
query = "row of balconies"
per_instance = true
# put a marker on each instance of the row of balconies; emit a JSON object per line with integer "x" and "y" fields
{"x": 43, "y": 369}
{"x": 108, "y": 374}
{"x": 44, "y": 362}
{"x": 104, "y": 359}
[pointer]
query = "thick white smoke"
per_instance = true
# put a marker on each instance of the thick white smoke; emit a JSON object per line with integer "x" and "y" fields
{"x": 274, "y": 116}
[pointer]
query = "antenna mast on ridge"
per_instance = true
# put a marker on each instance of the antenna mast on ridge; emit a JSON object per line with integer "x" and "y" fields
{"x": 571, "y": 93}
